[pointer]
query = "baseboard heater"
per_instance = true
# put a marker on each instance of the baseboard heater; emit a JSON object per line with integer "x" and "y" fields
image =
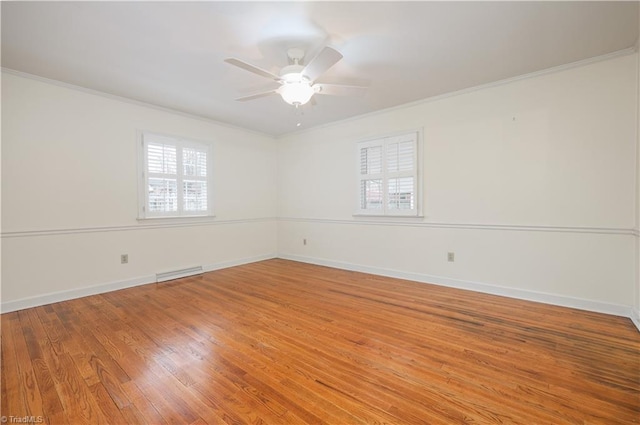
{"x": 176, "y": 274}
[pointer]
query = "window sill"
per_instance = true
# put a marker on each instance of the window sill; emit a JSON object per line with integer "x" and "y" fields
{"x": 362, "y": 216}
{"x": 176, "y": 219}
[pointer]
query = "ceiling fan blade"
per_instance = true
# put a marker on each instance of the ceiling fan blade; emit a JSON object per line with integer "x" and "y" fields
{"x": 251, "y": 68}
{"x": 257, "y": 95}
{"x": 339, "y": 89}
{"x": 321, "y": 63}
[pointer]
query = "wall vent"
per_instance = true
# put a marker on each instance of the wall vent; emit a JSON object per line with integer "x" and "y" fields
{"x": 176, "y": 274}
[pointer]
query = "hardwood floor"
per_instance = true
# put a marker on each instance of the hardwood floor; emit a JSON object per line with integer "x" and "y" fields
{"x": 280, "y": 342}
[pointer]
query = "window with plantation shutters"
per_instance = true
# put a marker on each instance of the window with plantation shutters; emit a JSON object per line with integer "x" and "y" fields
{"x": 175, "y": 178}
{"x": 388, "y": 176}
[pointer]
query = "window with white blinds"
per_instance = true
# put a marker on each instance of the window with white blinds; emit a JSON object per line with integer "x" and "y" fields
{"x": 388, "y": 176}
{"x": 175, "y": 178}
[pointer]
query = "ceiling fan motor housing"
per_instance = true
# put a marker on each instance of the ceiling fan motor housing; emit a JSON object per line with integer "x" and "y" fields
{"x": 293, "y": 73}
{"x": 295, "y": 55}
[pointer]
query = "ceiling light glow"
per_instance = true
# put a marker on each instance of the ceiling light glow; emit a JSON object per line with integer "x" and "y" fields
{"x": 297, "y": 92}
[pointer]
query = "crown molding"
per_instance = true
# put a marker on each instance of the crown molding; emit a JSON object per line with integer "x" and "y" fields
{"x": 128, "y": 100}
{"x": 577, "y": 64}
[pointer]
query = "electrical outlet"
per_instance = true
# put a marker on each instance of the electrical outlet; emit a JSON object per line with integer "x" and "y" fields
{"x": 304, "y": 241}
{"x": 124, "y": 258}
{"x": 451, "y": 257}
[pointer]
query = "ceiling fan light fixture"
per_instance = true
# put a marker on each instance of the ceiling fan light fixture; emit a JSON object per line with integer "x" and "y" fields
{"x": 297, "y": 81}
{"x": 296, "y": 93}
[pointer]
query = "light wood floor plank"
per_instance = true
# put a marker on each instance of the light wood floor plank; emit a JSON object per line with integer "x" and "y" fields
{"x": 280, "y": 342}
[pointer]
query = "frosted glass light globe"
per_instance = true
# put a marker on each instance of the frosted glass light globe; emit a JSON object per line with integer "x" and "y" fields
{"x": 296, "y": 92}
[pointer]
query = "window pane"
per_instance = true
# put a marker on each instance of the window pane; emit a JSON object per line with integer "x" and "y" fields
{"x": 401, "y": 194}
{"x": 194, "y": 162}
{"x": 163, "y": 195}
{"x": 400, "y": 156}
{"x": 195, "y": 195}
{"x": 371, "y": 195}
{"x": 371, "y": 160}
{"x": 161, "y": 158}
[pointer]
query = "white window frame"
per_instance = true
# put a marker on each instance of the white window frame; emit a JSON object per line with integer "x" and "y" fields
{"x": 386, "y": 175}
{"x": 144, "y": 211}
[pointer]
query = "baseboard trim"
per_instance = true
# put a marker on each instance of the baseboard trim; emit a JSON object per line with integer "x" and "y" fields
{"x": 233, "y": 263}
{"x": 559, "y": 300}
{"x": 635, "y": 317}
{"x": 54, "y": 297}
{"x": 542, "y": 297}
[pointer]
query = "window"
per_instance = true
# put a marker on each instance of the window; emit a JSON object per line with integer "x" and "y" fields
{"x": 175, "y": 179}
{"x": 388, "y": 176}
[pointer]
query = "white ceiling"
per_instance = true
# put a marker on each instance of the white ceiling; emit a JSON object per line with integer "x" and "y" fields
{"x": 171, "y": 54}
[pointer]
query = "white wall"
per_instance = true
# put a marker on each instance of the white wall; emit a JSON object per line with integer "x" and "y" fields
{"x": 530, "y": 183}
{"x": 69, "y": 192}
{"x": 636, "y": 310}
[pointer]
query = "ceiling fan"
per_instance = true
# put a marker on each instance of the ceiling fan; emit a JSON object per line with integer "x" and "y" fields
{"x": 297, "y": 81}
